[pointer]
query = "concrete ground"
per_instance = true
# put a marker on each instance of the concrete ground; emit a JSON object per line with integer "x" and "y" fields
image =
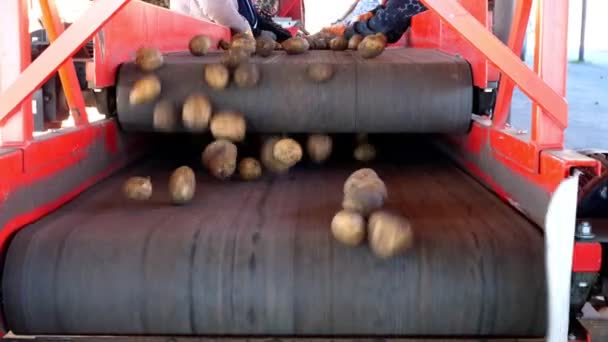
{"x": 587, "y": 93}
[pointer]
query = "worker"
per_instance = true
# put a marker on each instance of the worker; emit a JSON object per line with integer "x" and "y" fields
{"x": 239, "y": 15}
{"x": 392, "y": 19}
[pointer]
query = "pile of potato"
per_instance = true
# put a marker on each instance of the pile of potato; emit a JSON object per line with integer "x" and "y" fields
{"x": 362, "y": 216}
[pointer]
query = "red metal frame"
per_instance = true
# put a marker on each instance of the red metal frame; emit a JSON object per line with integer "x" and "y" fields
{"x": 292, "y": 8}
{"x": 587, "y": 257}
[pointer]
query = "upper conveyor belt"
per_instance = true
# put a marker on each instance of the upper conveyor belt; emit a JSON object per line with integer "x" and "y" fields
{"x": 402, "y": 90}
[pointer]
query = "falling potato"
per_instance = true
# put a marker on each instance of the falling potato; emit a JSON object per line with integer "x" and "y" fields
{"x": 268, "y": 159}
{"x": 319, "y": 147}
{"x": 145, "y": 90}
{"x": 389, "y": 235}
{"x": 365, "y": 152}
{"x": 348, "y": 227}
{"x": 250, "y": 169}
{"x": 182, "y": 185}
{"x": 371, "y": 46}
{"x": 244, "y": 42}
{"x": 338, "y": 43}
{"x": 228, "y": 125}
{"x": 364, "y": 192}
{"x": 148, "y": 58}
{"x": 217, "y": 76}
{"x": 359, "y": 177}
{"x": 320, "y": 72}
{"x": 233, "y": 57}
{"x": 247, "y": 75}
{"x": 138, "y": 188}
{"x": 219, "y": 158}
{"x": 199, "y": 45}
{"x": 354, "y": 41}
{"x": 295, "y": 45}
{"x": 264, "y": 46}
{"x": 164, "y": 116}
{"x": 196, "y": 112}
{"x": 287, "y": 151}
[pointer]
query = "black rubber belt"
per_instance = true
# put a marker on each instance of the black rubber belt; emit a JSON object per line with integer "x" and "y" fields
{"x": 402, "y": 90}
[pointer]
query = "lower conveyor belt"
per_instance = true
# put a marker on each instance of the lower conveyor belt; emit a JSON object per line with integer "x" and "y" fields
{"x": 258, "y": 259}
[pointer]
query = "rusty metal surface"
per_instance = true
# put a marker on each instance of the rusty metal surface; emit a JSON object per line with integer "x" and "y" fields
{"x": 402, "y": 90}
{"x": 258, "y": 259}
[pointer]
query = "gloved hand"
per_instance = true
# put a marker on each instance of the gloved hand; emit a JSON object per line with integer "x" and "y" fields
{"x": 336, "y": 30}
{"x": 265, "y": 24}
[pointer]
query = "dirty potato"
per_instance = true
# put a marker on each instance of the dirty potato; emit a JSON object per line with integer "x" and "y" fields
{"x": 224, "y": 45}
{"x": 247, "y": 75}
{"x": 364, "y": 192}
{"x": 217, "y": 76}
{"x": 295, "y": 45}
{"x": 264, "y": 46}
{"x": 228, "y": 125}
{"x": 320, "y": 72}
{"x": 246, "y": 43}
{"x": 287, "y": 151}
{"x": 358, "y": 177}
{"x": 268, "y": 159}
{"x": 219, "y": 158}
{"x": 348, "y": 227}
{"x": 182, "y": 185}
{"x": 164, "y": 115}
{"x": 250, "y": 169}
{"x": 354, "y": 41}
{"x": 199, "y": 45}
{"x": 371, "y": 46}
{"x": 389, "y": 234}
{"x": 319, "y": 147}
{"x": 138, "y": 188}
{"x": 148, "y": 58}
{"x": 365, "y": 152}
{"x": 196, "y": 112}
{"x": 233, "y": 57}
{"x": 145, "y": 90}
{"x": 338, "y": 44}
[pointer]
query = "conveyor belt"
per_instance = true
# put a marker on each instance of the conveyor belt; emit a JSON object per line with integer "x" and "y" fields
{"x": 258, "y": 259}
{"x": 403, "y": 90}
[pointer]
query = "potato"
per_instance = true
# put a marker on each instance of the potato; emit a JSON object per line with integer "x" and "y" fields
{"x": 164, "y": 116}
{"x": 217, "y": 76}
{"x": 247, "y": 75}
{"x": 228, "y": 125}
{"x": 219, "y": 158}
{"x": 358, "y": 177}
{"x": 348, "y": 227}
{"x": 354, "y": 41}
{"x": 267, "y": 157}
{"x": 321, "y": 44}
{"x": 264, "y": 46}
{"x": 250, "y": 169}
{"x": 138, "y": 188}
{"x": 278, "y": 46}
{"x": 364, "y": 193}
{"x": 365, "y": 153}
{"x": 371, "y": 46}
{"x": 148, "y": 59}
{"x": 145, "y": 90}
{"x": 234, "y": 57}
{"x": 295, "y": 45}
{"x": 381, "y": 36}
{"x": 287, "y": 151}
{"x": 389, "y": 235}
{"x": 224, "y": 45}
{"x": 319, "y": 147}
{"x": 320, "y": 72}
{"x": 338, "y": 44}
{"x": 199, "y": 45}
{"x": 247, "y": 44}
{"x": 196, "y": 112}
{"x": 182, "y": 185}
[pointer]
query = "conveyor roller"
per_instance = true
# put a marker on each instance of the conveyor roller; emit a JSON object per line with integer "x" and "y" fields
{"x": 258, "y": 259}
{"x": 402, "y": 90}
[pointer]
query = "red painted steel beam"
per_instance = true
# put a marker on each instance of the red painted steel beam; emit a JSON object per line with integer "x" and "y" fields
{"x": 550, "y": 63}
{"x": 15, "y": 55}
{"x": 516, "y": 41}
{"x": 56, "y": 54}
{"x": 67, "y": 72}
{"x": 475, "y": 33}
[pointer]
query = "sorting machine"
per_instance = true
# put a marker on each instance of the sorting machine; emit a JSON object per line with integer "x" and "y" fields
{"x": 507, "y": 222}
